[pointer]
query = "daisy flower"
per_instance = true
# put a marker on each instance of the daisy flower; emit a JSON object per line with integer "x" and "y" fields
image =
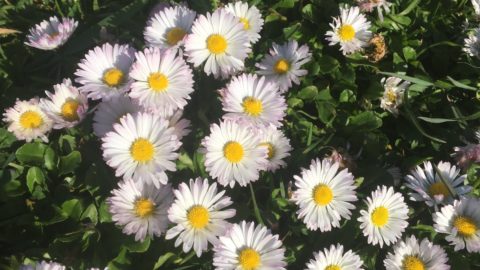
{"x": 324, "y": 195}
{"x": 66, "y": 106}
{"x": 369, "y": 5}
{"x": 219, "y": 40}
{"x": 179, "y": 124}
{"x": 278, "y": 147}
{"x": 248, "y": 247}
{"x": 43, "y": 265}
{"x": 461, "y": 222}
{"x": 48, "y": 35}
{"x": 27, "y": 121}
{"x": 162, "y": 81}
{"x": 142, "y": 147}
{"x": 110, "y": 111}
{"x": 414, "y": 255}
{"x": 386, "y": 216}
{"x": 466, "y": 155}
{"x": 199, "y": 215}
{"x": 351, "y": 30}
{"x": 472, "y": 43}
{"x": 140, "y": 208}
{"x": 476, "y": 6}
{"x": 428, "y": 186}
{"x": 249, "y": 16}
{"x": 335, "y": 259}
{"x": 249, "y": 98}
{"x": 232, "y": 154}
{"x": 168, "y": 27}
{"x": 393, "y": 94}
{"x": 103, "y": 72}
{"x": 283, "y": 64}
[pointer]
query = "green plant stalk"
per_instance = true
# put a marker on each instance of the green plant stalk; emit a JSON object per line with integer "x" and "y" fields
{"x": 255, "y": 206}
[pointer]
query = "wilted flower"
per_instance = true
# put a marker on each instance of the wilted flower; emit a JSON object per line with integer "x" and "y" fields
{"x": 393, "y": 95}
{"x": 466, "y": 155}
{"x": 369, "y": 5}
{"x": 377, "y": 48}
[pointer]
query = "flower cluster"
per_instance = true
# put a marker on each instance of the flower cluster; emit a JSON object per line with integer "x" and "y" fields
{"x": 140, "y": 96}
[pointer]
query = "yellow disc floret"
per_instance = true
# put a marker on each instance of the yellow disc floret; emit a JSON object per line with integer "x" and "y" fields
{"x": 252, "y": 106}
{"x": 144, "y": 207}
{"x": 69, "y": 110}
{"x": 281, "y": 66}
{"x": 174, "y": 35}
{"x": 380, "y": 216}
{"x": 233, "y": 152}
{"x": 198, "y": 217}
{"x": 31, "y": 120}
{"x": 322, "y": 195}
{"x": 249, "y": 259}
{"x": 113, "y": 77}
{"x": 158, "y": 82}
{"x": 346, "y": 32}
{"x": 142, "y": 150}
{"x": 216, "y": 44}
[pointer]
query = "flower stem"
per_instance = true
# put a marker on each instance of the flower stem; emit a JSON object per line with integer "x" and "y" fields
{"x": 255, "y": 206}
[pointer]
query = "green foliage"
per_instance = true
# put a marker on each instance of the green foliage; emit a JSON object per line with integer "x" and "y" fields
{"x": 53, "y": 195}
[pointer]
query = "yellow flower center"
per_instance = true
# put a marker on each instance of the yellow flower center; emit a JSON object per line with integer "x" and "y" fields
{"x": 31, "y": 119}
{"x": 69, "y": 110}
{"x": 233, "y": 152}
{"x": 198, "y": 217}
{"x": 142, "y": 150}
{"x": 346, "y": 32}
{"x": 412, "y": 263}
{"x": 380, "y": 216}
{"x": 249, "y": 259}
{"x": 113, "y": 77}
{"x": 465, "y": 226}
{"x": 281, "y": 66}
{"x": 252, "y": 106}
{"x": 246, "y": 23}
{"x": 439, "y": 188}
{"x": 333, "y": 267}
{"x": 271, "y": 149}
{"x": 216, "y": 44}
{"x": 174, "y": 35}
{"x": 158, "y": 82}
{"x": 322, "y": 195}
{"x": 144, "y": 207}
{"x": 53, "y": 35}
{"x": 391, "y": 96}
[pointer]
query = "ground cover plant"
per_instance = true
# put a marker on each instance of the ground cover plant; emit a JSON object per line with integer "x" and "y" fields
{"x": 262, "y": 134}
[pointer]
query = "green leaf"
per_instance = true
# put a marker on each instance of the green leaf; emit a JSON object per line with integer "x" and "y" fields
{"x": 31, "y": 153}
{"x": 6, "y": 138}
{"x": 461, "y": 85}
{"x": 308, "y": 93}
{"x": 103, "y": 213}
{"x": 409, "y": 53}
{"x": 137, "y": 247}
{"x": 285, "y": 4}
{"x": 91, "y": 213}
{"x": 69, "y": 162}
{"x": 163, "y": 259}
{"x": 347, "y": 96}
{"x": 51, "y": 159}
{"x": 35, "y": 176}
{"x": 408, "y": 78}
{"x": 328, "y": 64}
{"x": 436, "y": 120}
{"x": 365, "y": 121}
{"x": 184, "y": 161}
{"x": 73, "y": 208}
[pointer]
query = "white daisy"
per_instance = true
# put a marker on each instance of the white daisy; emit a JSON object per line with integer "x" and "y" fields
{"x": 140, "y": 208}
{"x": 351, "y": 30}
{"x": 283, "y": 64}
{"x": 168, "y": 27}
{"x": 249, "y": 247}
{"x": 278, "y": 147}
{"x": 162, "y": 81}
{"x": 110, "y": 111}
{"x": 472, "y": 43}
{"x": 476, "y": 6}
{"x": 386, "y": 216}
{"x": 232, "y": 154}
{"x": 369, "y": 5}
{"x": 48, "y": 35}
{"x": 428, "y": 186}
{"x": 180, "y": 125}
{"x": 104, "y": 71}
{"x": 27, "y": 121}
{"x": 335, "y": 259}
{"x": 393, "y": 94}
{"x": 412, "y": 255}
{"x": 219, "y": 40}
{"x": 66, "y": 106}
{"x": 324, "y": 195}
{"x": 142, "y": 147}
{"x": 249, "y": 16}
{"x": 253, "y": 100}
{"x": 199, "y": 214}
{"x": 461, "y": 221}
{"x": 43, "y": 265}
